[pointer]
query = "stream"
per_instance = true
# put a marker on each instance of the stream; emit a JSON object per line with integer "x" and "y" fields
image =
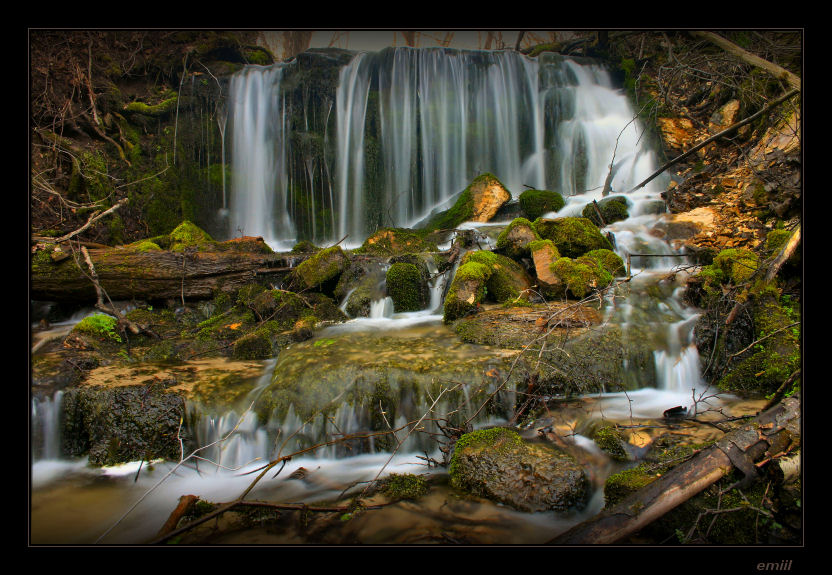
{"x": 74, "y": 503}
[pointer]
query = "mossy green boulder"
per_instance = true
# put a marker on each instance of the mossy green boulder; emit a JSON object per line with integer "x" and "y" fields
{"x": 580, "y": 276}
{"x": 508, "y": 279}
{"x": 467, "y": 290}
{"x": 322, "y": 269}
{"x": 498, "y": 464}
{"x": 572, "y": 236}
{"x": 188, "y": 234}
{"x": 515, "y": 239}
{"x": 483, "y": 197}
{"x": 396, "y": 241}
{"x": 535, "y": 203}
{"x": 405, "y": 285}
{"x": 613, "y": 209}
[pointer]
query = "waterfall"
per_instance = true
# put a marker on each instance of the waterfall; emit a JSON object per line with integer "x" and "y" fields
{"x": 412, "y": 128}
{"x": 259, "y": 203}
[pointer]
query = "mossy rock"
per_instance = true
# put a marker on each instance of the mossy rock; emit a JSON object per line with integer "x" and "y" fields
{"x": 398, "y": 486}
{"x": 515, "y": 239}
{"x": 467, "y": 290}
{"x": 535, "y": 203}
{"x": 611, "y": 441}
{"x": 305, "y": 247}
{"x": 498, "y": 464}
{"x": 254, "y": 345}
{"x": 159, "y": 110}
{"x": 120, "y": 424}
{"x": 613, "y": 209}
{"x": 405, "y": 285}
{"x": 188, "y": 234}
{"x": 609, "y": 260}
{"x": 360, "y": 284}
{"x": 572, "y": 236}
{"x": 483, "y": 197}
{"x": 580, "y": 276}
{"x": 508, "y": 279}
{"x": 766, "y": 366}
{"x": 396, "y": 241}
{"x": 322, "y": 269}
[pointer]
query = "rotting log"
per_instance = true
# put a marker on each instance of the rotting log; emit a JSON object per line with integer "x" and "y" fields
{"x": 126, "y": 274}
{"x": 772, "y": 433}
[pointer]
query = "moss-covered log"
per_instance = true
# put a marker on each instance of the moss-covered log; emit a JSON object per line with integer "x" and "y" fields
{"x": 136, "y": 273}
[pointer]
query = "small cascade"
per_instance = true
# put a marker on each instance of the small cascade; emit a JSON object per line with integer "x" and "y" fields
{"x": 382, "y": 308}
{"x": 46, "y": 427}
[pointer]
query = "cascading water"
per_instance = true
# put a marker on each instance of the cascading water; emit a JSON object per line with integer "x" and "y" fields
{"x": 259, "y": 205}
{"x": 413, "y": 128}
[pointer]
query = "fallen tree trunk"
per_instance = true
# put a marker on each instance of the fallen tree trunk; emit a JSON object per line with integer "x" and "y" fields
{"x": 770, "y": 434}
{"x": 126, "y": 274}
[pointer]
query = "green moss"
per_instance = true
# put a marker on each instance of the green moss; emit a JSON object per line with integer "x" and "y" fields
{"x": 609, "y": 260}
{"x": 541, "y": 244}
{"x": 619, "y": 485}
{"x": 511, "y": 240}
{"x": 776, "y": 239}
{"x": 404, "y": 287}
{"x": 535, "y": 203}
{"x": 255, "y": 345}
{"x": 613, "y": 209}
{"x": 498, "y": 438}
{"x": 161, "y": 109}
{"x": 404, "y": 486}
{"x": 611, "y": 441}
{"x": 258, "y": 55}
{"x": 507, "y": 277}
{"x": 99, "y": 325}
{"x": 730, "y": 267}
{"x": 580, "y": 276}
{"x": 468, "y": 274}
{"x": 572, "y": 236}
{"x": 145, "y": 246}
{"x": 305, "y": 247}
{"x": 323, "y": 267}
{"x": 188, "y": 234}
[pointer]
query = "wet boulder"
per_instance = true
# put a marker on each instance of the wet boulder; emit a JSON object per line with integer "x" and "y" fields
{"x": 360, "y": 285}
{"x": 397, "y": 241}
{"x": 498, "y": 464}
{"x": 407, "y": 287}
{"x": 125, "y": 423}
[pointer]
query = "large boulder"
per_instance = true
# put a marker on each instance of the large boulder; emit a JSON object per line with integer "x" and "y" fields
{"x": 498, "y": 464}
{"x": 407, "y": 287}
{"x": 479, "y": 202}
{"x": 120, "y": 424}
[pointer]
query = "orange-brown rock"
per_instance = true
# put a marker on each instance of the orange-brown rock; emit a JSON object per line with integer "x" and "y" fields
{"x": 487, "y": 195}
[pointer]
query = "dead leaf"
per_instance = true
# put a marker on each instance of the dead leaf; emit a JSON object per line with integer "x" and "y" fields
{"x": 234, "y": 325}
